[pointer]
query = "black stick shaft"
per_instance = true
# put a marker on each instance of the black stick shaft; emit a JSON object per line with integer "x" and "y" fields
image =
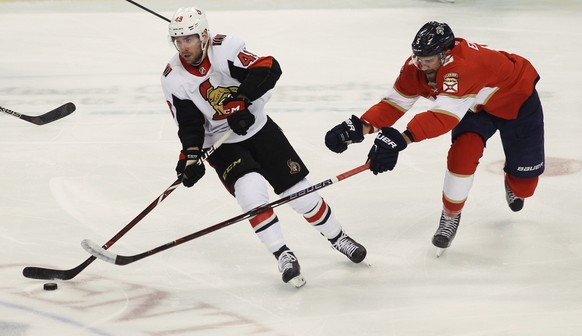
{"x": 149, "y": 10}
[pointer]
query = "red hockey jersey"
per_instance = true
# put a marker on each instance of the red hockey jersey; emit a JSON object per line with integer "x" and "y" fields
{"x": 473, "y": 78}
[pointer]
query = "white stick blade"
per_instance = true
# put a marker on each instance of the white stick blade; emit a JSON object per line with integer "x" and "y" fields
{"x": 97, "y": 251}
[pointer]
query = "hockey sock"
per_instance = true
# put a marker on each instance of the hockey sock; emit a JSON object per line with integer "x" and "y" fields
{"x": 462, "y": 161}
{"x": 251, "y": 192}
{"x": 455, "y": 191}
{"x": 315, "y": 210}
{"x": 464, "y": 154}
{"x": 324, "y": 221}
{"x": 522, "y": 187}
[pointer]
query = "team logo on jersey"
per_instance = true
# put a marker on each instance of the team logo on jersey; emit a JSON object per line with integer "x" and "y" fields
{"x": 215, "y": 96}
{"x": 451, "y": 83}
{"x": 294, "y": 167}
{"x": 179, "y": 18}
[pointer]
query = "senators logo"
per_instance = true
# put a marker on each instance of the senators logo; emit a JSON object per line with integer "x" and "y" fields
{"x": 215, "y": 97}
{"x": 294, "y": 167}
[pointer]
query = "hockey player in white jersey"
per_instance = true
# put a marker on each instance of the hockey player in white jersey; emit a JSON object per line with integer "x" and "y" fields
{"x": 212, "y": 85}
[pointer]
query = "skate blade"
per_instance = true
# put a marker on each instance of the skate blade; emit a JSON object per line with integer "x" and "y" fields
{"x": 298, "y": 281}
{"x": 440, "y": 251}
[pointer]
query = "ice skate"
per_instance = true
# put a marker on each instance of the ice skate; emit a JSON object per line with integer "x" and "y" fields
{"x": 515, "y": 203}
{"x": 446, "y": 232}
{"x": 289, "y": 267}
{"x": 355, "y": 251}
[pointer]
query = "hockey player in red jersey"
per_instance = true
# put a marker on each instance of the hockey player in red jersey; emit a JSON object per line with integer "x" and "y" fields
{"x": 475, "y": 91}
{"x": 214, "y": 85}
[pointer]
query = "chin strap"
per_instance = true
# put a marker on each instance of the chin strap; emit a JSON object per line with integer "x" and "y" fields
{"x": 204, "y": 47}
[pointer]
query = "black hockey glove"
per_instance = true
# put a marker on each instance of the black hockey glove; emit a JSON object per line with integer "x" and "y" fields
{"x": 189, "y": 169}
{"x": 384, "y": 154}
{"x": 339, "y": 137}
{"x": 240, "y": 119}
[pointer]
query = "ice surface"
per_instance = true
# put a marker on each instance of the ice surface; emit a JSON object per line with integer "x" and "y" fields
{"x": 89, "y": 174}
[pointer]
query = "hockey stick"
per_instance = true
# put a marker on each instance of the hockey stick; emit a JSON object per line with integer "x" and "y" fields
{"x": 49, "y": 274}
{"x": 101, "y": 253}
{"x": 148, "y": 10}
{"x": 56, "y": 114}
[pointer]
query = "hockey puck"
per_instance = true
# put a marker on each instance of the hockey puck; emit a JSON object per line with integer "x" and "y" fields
{"x": 50, "y": 286}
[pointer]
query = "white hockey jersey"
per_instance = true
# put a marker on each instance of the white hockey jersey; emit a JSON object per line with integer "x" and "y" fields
{"x": 207, "y": 85}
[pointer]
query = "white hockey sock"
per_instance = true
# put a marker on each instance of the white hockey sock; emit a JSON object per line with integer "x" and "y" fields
{"x": 456, "y": 187}
{"x": 315, "y": 210}
{"x": 272, "y": 236}
{"x": 251, "y": 192}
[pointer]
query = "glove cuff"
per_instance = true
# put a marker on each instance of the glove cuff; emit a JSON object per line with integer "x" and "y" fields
{"x": 190, "y": 154}
{"x": 409, "y": 135}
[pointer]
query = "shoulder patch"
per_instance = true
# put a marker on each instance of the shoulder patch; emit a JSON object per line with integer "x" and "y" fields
{"x": 167, "y": 70}
{"x": 451, "y": 82}
{"x": 217, "y": 40}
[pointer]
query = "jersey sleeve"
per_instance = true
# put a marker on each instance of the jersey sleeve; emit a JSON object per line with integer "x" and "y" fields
{"x": 186, "y": 114}
{"x": 190, "y": 123}
{"x": 383, "y": 114}
{"x": 399, "y": 99}
{"x": 444, "y": 114}
{"x": 429, "y": 124}
{"x": 257, "y": 74}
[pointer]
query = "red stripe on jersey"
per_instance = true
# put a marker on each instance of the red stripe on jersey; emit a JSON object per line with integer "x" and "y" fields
{"x": 260, "y": 218}
{"x": 263, "y": 62}
{"x": 319, "y": 214}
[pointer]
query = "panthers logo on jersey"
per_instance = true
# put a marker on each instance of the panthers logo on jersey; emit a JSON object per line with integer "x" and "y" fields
{"x": 451, "y": 83}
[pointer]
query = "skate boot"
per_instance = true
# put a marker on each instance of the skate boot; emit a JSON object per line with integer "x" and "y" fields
{"x": 355, "y": 251}
{"x": 289, "y": 267}
{"x": 515, "y": 203}
{"x": 446, "y": 232}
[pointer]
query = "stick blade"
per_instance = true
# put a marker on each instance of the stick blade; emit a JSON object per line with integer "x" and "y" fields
{"x": 56, "y": 114}
{"x": 97, "y": 251}
{"x": 41, "y": 273}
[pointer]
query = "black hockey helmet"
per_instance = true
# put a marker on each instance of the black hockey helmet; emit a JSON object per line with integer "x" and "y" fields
{"x": 432, "y": 39}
